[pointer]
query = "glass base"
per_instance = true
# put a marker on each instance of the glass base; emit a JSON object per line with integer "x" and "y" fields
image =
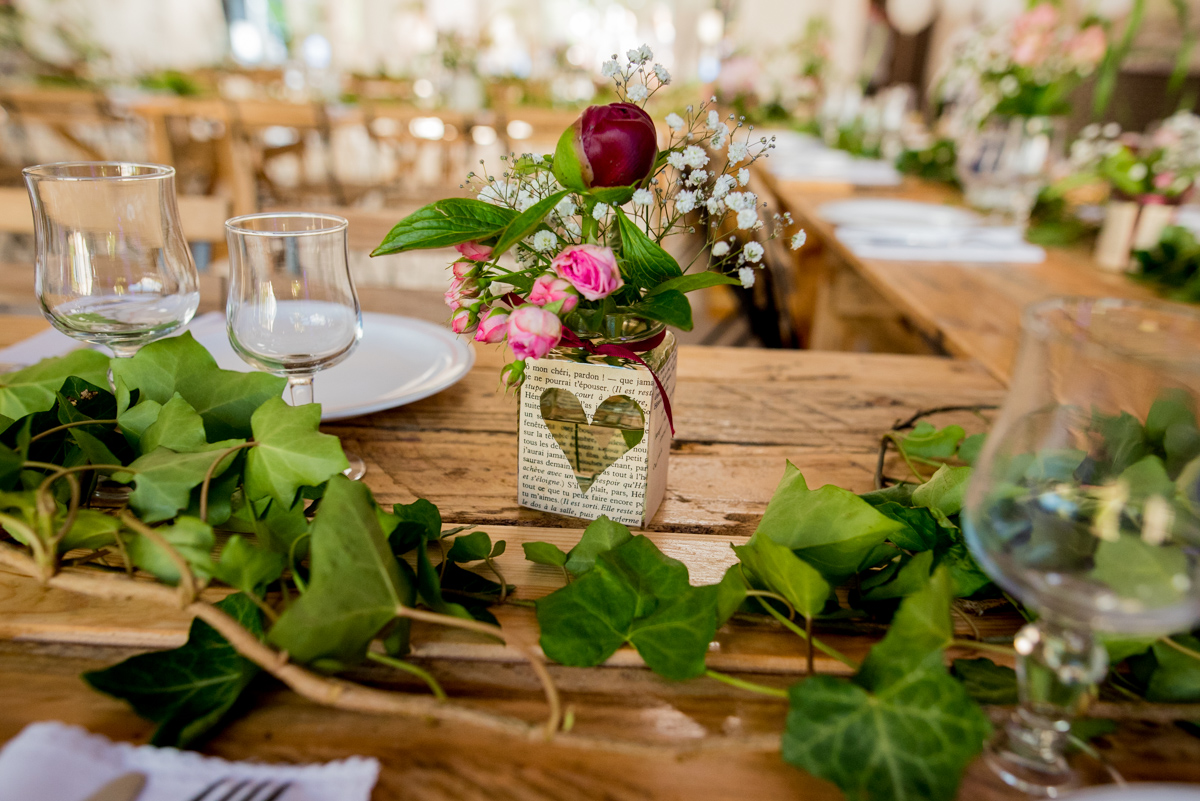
{"x": 357, "y": 468}
{"x": 1035, "y": 778}
{"x": 110, "y": 493}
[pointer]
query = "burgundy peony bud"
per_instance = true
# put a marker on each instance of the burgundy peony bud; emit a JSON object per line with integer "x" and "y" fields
{"x": 613, "y": 145}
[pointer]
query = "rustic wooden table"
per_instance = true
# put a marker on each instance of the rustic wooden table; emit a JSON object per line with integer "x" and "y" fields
{"x": 740, "y": 414}
{"x": 967, "y": 310}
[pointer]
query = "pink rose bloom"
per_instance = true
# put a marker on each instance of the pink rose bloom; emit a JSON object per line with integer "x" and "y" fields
{"x": 549, "y": 288}
{"x": 1088, "y": 46}
{"x": 464, "y": 321}
{"x": 493, "y": 328}
{"x": 1164, "y": 180}
{"x": 532, "y": 332}
{"x": 591, "y": 269}
{"x": 474, "y": 251}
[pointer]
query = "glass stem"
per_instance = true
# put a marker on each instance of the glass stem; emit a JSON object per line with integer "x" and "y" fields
{"x": 302, "y": 389}
{"x": 1057, "y": 670}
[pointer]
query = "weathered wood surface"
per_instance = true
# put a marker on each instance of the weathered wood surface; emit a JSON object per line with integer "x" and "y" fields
{"x": 970, "y": 310}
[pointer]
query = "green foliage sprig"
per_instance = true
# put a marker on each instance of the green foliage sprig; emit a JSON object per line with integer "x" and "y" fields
{"x": 1172, "y": 266}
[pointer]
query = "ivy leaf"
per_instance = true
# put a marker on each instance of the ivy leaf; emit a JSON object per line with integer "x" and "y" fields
{"x": 910, "y": 740}
{"x": 967, "y": 577}
{"x": 527, "y": 222}
{"x": 920, "y": 631}
{"x": 416, "y": 523}
{"x": 544, "y": 553}
{"x": 930, "y": 442}
{"x": 33, "y": 388}
{"x": 190, "y": 537}
{"x": 247, "y": 567}
{"x": 471, "y": 547}
{"x": 690, "y": 282}
{"x": 334, "y": 621}
{"x": 429, "y": 586}
{"x": 602, "y": 534}
{"x": 986, "y": 682}
{"x": 831, "y": 528}
{"x": 968, "y": 450}
{"x": 1133, "y": 568}
{"x": 446, "y": 223}
{"x": 190, "y": 689}
{"x": 136, "y": 419}
{"x": 945, "y": 491}
{"x": 634, "y": 594}
{"x": 291, "y": 453}
{"x": 912, "y": 576}
{"x": 671, "y": 307}
{"x": 91, "y": 530}
{"x": 10, "y": 468}
{"x": 645, "y": 263}
{"x": 731, "y": 593}
{"x": 164, "y": 479}
{"x": 1176, "y": 679}
{"x": 176, "y": 426}
{"x": 921, "y": 531}
{"x": 782, "y": 572}
{"x": 225, "y": 399}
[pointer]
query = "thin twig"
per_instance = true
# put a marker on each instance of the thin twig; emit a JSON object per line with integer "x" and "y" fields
{"x": 799, "y": 632}
{"x": 774, "y": 596}
{"x": 958, "y": 610}
{"x": 742, "y": 684}
{"x": 808, "y": 631}
{"x": 409, "y": 667}
{"x": 75, "y": 424}
{"x": 503, "y": 584}
{"x": 979, "y": 645}
{"x": 188, "y": 591}
{"x": 1183, "y": 649}
{"x": 212, "y": 469}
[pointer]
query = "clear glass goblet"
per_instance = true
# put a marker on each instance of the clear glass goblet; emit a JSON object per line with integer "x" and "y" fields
{"x": 1085, "y": 505}
{"x": 113, "y": 267}
{"x": 292, "y": 308}
{"x": 1006, "y": 162}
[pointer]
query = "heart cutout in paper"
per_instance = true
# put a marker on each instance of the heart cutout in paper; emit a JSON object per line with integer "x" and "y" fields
{"x": 591, "y": 447}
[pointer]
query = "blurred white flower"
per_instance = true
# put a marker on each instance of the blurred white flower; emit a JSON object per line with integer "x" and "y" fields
{"x": 643, "y": 197}
{"x": 753, "y": 252}
{"x": 746, "y": 276}
{"x": 720, "y": 133}
{"x": 661, "y": 73}
{"x": 799, "y": 239}
{"x": 610, "y": 69}
{"x": 714, "y": 119}
{"x": 600, "y": 211}
{"x": 747, "y": 219}
{"x": 674, "y": 121}
{"x": 716, "y": 206}
{"x": 720, "y": 249}
{"x": 565, "y": 207}
{"x": 637, "y": 92}
{"x": 723, "y": 186}
{"x": 743, "y": 176}
{"x": 741, "y": 201}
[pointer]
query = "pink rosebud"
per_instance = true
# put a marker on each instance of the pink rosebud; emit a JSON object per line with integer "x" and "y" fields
{"x": 493, "y": 328}
{"x": 532, "y": 332}
{"x": 453, "y": 298}
{"x": 461, "y": 289}
{"x": 474, "y": 251}
{"x": 464, "y": 321}
{"x": 613, "y": 145}
{"x": 591, "y": 269}
{"x": 1088, "y": 46}
{"x": 463, "y": 269}
{"x": 548, "y": 288}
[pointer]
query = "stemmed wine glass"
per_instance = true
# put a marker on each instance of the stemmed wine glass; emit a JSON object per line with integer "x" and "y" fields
{"x": 113, "y": 267}
{"x": 1085, "y": 505}
{"x": 292, "y": 309}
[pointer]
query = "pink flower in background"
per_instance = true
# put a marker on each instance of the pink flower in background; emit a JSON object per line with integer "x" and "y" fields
{"x": 493, "y": 328}
{"x": 549, "y": 288}
{"x": 464, "y": 321}
{"x": 474, "y": 251}
{"x": 1088, "y": 46}
{"x": 1164, "y": 180}
{"x": 592, "y": 269}
{"x": 532, "y": 332}
{"x": 1032, "y": 34}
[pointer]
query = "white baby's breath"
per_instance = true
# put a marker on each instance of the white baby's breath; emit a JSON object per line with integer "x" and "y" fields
{"x": 565, "y": 207}
{"x": 743, "y": 176}
{"x": 723, "y": 186}
{"x": 720, "y": 133}
{"x": 643, "y": 197}
{"x": 753, "y": 252}
{"x": 674, "y": 121}
{"x": 799, "y": 239}
{"x": 697, "y": 177}
{"x": 610, "y": 69}
{"x": 738, "y": 152}
{"x": 747, "y": 219}
{"x": 600, "y": 211}
{"x": 676, "y": 160}
{"x": 716, "y": 206}
{"x": 746, "y": 276}
{"x": 720, "y": 249}
{"x": 714, "y": 119}
{"x": 741, "y": 201}
{"x": 694, "y": 157}
{"x": 544, "y": 241}
{"x": 685, "y": 201}
{"x": 661, "y": 73}
{"x": 637, "y": 92}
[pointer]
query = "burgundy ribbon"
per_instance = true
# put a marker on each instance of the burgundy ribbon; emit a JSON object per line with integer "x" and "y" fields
{"x": 629, "y": 352}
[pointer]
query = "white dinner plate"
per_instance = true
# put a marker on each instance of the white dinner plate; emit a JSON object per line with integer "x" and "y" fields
{"x": 398, "y": 361}
{"x": 872, "y": 213}
{"x": 1139, "y": 792}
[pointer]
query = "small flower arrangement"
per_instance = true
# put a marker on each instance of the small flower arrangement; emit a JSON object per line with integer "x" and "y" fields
{"x": 585, "y": 226}
{"x": 1159, "y": 167}
{"x": 1027, "y": 68}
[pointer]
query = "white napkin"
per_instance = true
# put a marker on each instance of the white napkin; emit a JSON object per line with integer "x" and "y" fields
{"x": 977, "y": 244}
{"x": 32, "y": 769}
{"x": 53, "y": 342}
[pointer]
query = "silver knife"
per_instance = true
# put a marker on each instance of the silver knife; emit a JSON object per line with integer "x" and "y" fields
{"x": 126, "y": 787}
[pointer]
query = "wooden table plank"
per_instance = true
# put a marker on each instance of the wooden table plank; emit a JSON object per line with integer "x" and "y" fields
{"x": 971, "y": 310}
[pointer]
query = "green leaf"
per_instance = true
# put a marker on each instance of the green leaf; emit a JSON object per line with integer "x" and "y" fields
{"x": 912, "y": 576}
{"x": 33, "y": 388}
{"x": 225, "y": 399}
{"x": 1173, "y": 407}
{"x": 601, "y": 535}
{"x": 444, "y": 224}
{"x": 527, "y": 222}
{"x": 291, "y": 452}
{"x": 987, "y": 682}
{"x": 920, "y": 631}
{"x": 967, "y": 577}
{"x": 1153, "y": 575}
{"x": 921, "y": 531}
{"x": 1146, "y": 479}
{"x": 136, "y": 419}
{"x": 613, "y": 195}
{"x": 910, "y": 740}
{"x": 429, "y": 586}
{"x": 636, "y": 595}
{"x": 10, "y": 467}
{"x": 968, "y": 450}
{"x": 471, "y": 547}
{"x": 164, "y": 479}
{"x": 190, "y": 537}
{"x": 690, "y": 282}
{"x": 1124, "y": 440}
{"x": 416, "y": 523}
{"x": 945, "y": 491}
{"x": 247, "y": 567}
{"x": 544, "y": 553}
{"x": 731, "y": 593}
{"x": 779, "y": 570}
{"x": 670, "y": 307}
{"x": 1176, "y": 679}
{"x": 831, "y": 528}
{"x": 1120, "y": 648}
{"x": 645, "y": 264}
{"x": 176, "y": 426}
{"x": 190, "y": 689}
{"x": 930, "y": 442}
{"x": 91, "y": 530}
{"x": 334, "y": 621}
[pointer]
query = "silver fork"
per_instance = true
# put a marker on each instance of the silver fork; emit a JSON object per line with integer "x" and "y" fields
{"x": 228, "y": 789}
